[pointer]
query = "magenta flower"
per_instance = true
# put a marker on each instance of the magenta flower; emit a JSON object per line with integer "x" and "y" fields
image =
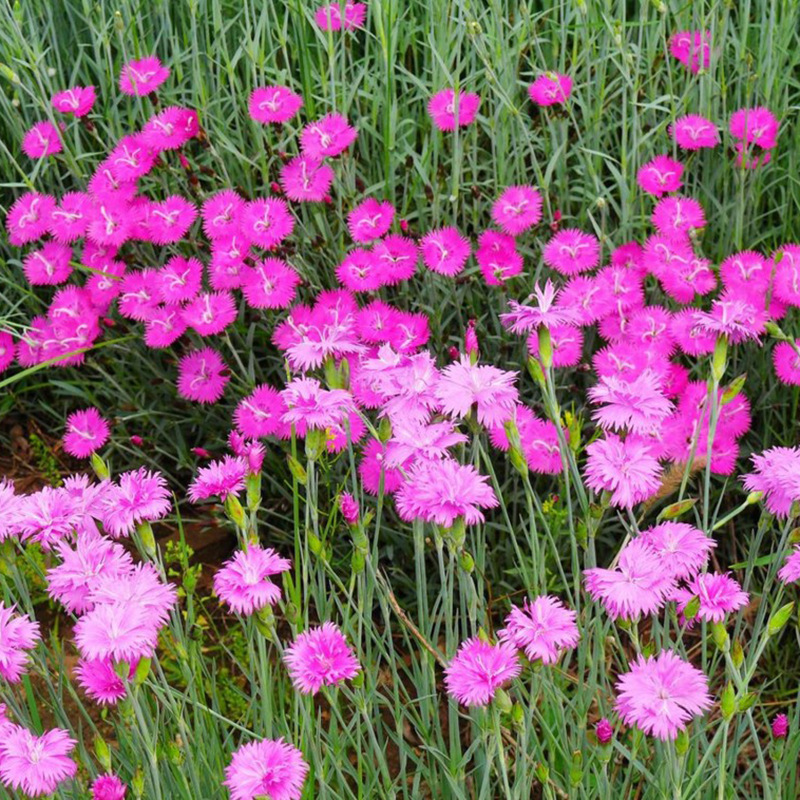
{"x": 539, "y": 440}
{"x": 692, "y": 49}
{"x": 693, "y": 132}
{"x": 274, "y": 104}
{"x": 179, "y": 279}
{"x": 443, "y": 491}
{"x": 327, "y": 137}
{"x": 100, "y": 681}
{"x": 8, "y": 350}
{"x": 777, "y": 474}
{"x": 787, "y": 363}
{"x": 445, "y": 251}
{"x": 479, "y": 669}
{"x": 626, "y": 468}
{"x": 398, "y": 257}
{"x": 747, "y": 270}
{"x": 551, "y": 88}
{"x": 29, "y": 217}
{"x": 202, "y": 376}
{"x": 309, "y": 406}
{"x": 370, "y": 220}
{"x": 78, "y": 100}
{"x": 464, "y": 384}
{"x": 360, "y": 271}
{"x": 221, "y": 214}
{"x": 543, "y": 628}
{"x": 219, "y": 479}
{"x": 546, "y": 313}
{"x": 732, "y": 317}
{"x": 271, "y": 769}
{"x": 138, "y": 496}
{"x": 637, "y": 405}
{"x": 450, "y": 109}
{"x": 684, "y": 550}
{"x": 270, "y": 283}
{"x": 18, "y": 635}
{"x": 375, "y": 473}
{"x": 329, "y": 18}
{"x": 143, "y": 76}
{"x": 320, "y": 657}
{"x": 497, "y": 257}
{"x": 661, "y": 694}
{"x": 640, "y": 583}
{"x": 259, "y": 414}
{"x": 170, "y": 128}
{"x": 780, "y": 726}
{"x": 69, "y": 221}
{"x": 210, "y": 312}
{"x": 757, "y": 126}
{"x": 168, "y": 222}
{"x": 661, "y": 175}
{"x": 786, "y": 263}
{"x": 42, "y": 140}
{"x": 604, "y": 731}
{"x": 790, "y": 571}
{"x": 86, "y": 432}
{"x": 266, "y": 221}
{"x": 34, "y": 764}
{"x": 120, "y": 631}
{"x": 517, "y": 209}
{"x": 108, "y": 787}
{"x": 244, "y": 582}
{"x": 677, "y": 216}
{"x": 566, "y": 343}
{"x": 306, "y": 180}
{"x": 572, "y": 251}
{"x": 164, "y": 326}
{"x": 348, "y": 505}
{"x": 49, "y": 265}
{"x": 718, "y": 594}
{"x": 132, "y": 158}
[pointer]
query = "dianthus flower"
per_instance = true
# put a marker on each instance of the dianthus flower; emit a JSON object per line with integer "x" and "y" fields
{"x": 374, "y": 471}
{"x": 718, "y": 595}
{"x": 100, "y": 681}
{"x": 47, "y": 516}
{"x": 219, "y": 479}
{"x": 790, "y": 571}
{"x": 170, "y": 128}
{"x": 661, "y": 694}
{"x": 538, "y": 439}
{"x": 169, "y": 221}
{"x": 143, "y": 76}
{"x": 450, "y": 109}
{"x": 329, "y": 18}
{"x": 131, "y": 158}
{"x": 271, "y": 769}
{"x": 34, "y": 764}
{"x": 550, "y": 89}
{"x": 320, "y": 657}
{"x": 78, "y": 100}
{"x": 445, "y": 251}
{"x": 309, "y": 406}
{"x": 274, "y": 104}
{"x": 692, "y": 49}
{"x": 202, "y": 376}
{"x": 517, "y": 209}
{"x": 572, "y": 251}
{"x": 479, "y": 669}
{"x": 137, "y": 496}
{"x": 221, "y": 214}
{"x": 640, "y": 583}
{"x": 638, "y": 405}
{"x": 306, "y": 179}
{"x": 544, "y": 627}
{"x": 497, "y": 257}
{"x": 29, "y": 217}
{"x": 661, "y": 175}
{"x": 370, "y": 220}
{"x": 732, "y": 317}
{"x": 677, "y": 216}
{"x": 210, "y": 312}
{"x": 108, "y": 787}
{"x": 266, "y": 221}
{"x": 42, "y": 140}
{"x": 243, "y": 582}
{"x": 69, "y": 221}
{"x": 626, "y": 468}
{"x": 48, "y": 266}
{"x": 684, "y": 550}
{"x": 348, "y": 505}
{"x": 259, "y": 414}
{"x": 360, "y": 271}
{"x": 414, "y": 440}
{"x": 546, "y": 313}
{"x": 780, "y": 726}
{"x": 777, "y": 474}
{"x": 757, "y": 126}
{"x": 7, "y": 350}
{"x": 693, "y": 132}
{"x": 270, "y": 283}
{"x": 86, "y": 432}
{"x": 442, "y": 491}
{"x": 120, "y": 631}
{"x": 464, "y": 384}
{"x": 327, "y": 137}
{"x": 18, "y": 635}
{"x": 398, "y": 257}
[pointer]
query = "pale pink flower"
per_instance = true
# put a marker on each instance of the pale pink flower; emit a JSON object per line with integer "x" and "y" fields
{"x": 243, "y": 582}
{"x": 517, "y": 209}
{"x": 320, "y": 657}
{"x": 450, "y": 109}
{"x": 42, "y": 140}
{"x": 202, "y": 376}
{"x": 684, "y": 550}
{"x": 661, "y": 175}
{"x": 34, "y": 764}
{"x": 414, "y": 440}
{"x": 78, "y": 100}
{"x": 271, "y": 769}
{"x": 219, "y": 479}
{"x": 543, "y": 627}
{"x": 479, "y": 669}
{"x": 625, "y": 468}
{"x": 274, "y": 104}
{"x": 143, "y": 76}
{"x": 120, "y": 631}
{"x": 732, "y": 317}
{"x": 551, "y": 88}
{"x": 638, "y": 405}
{"x": 572, "y": 251}
{"x": 18, "y": 635}
{"x": 137, "y": 496}
{"x": 718, "y": 595}
{"x": 445, "y": 251}
{"x": 777, "y": 474}
{"x": 309, "y": 406}
{"x": 546, "y": 313}
{"x": 694, "y": 132}
{"x": 86, "y": 432}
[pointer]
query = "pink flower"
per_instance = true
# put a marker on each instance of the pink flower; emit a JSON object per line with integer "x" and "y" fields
{"x": 140, "y": 588}
{"x": 398, "y": 258}
{"x": 202, "y": 376}
{"x": 780, "y": 726}
{"x": 210, "y": 312}
{"x": 108, "y": 787}
{"x": 626, "y": 468}
{"x": 604, "y": 731}
{"x": 119, "y": 631}
{"x": 7, "y": 350}
{"x": 661, "y": 694}
{"x": 329, "y": 18}
{"x": 219, "y": 479}
{"x": 543, "y": 628}
{"x": 546, "y": 313}
{"x": 786, "y": 264}
{"x": 497, "y": 257}
{"x": 479, "y": 669}
{"x": 69, "y": 221}
{"x": 306, "y": 179}
{"x": 538, "y": 438}
{"x": 464, "y": 384}
{"x": 78, "y": 100}
{"x": 310, "y": 407}
{"x": 270, "y": 768}
{"x": 138, "y": 496}
{"x": 787, "y": 362}
{"x": 639, "y": 584}
{"x": 169, "y": 221}
{"x": 790, "y": 571}
{"x": 29, "y": 217}
{"x": 413, "y": 440}
{"x": 42, "y": 140}
{"x": 551, "y": 88}
{"x": 661, "y": 175}
{"x": 360, "y": 271}
{"x": 757, "y": 126}
{"x": 98, "y": 678}
{"x": 572, "y": 251}
{"x": 320, "y": 657}
{"x": 266, "y": 221}
{"x": 327, "y": 137}
{"x": 370, "y": 220}
{"x": 675, "y": 216}
{"x": 179, "y": 279}
{"x": 375, "y": 473}
{"x": 348, "y": 505}
{"x": 143, "y": 76}
{"x": 517, "y": 209}
{"x": 684, "y": 550}
{"x": 132, "y": 158}
{"x": 692, "y": 49}
{"x": 17, "y": 635}
{"x": 259, "y": 414}
{"x": 776, "y": 474}
{"x": 693, "y": 132}
{"x": 747, "y": 271}
{"x": 732, "y": 317}
{"x": 445, "y": 251}
{"x": 111, "y": 222}
{"x": 443, "y": 491}
{"x": 34, "y": 764}
{"x": 638, "y": 405}
{"x": 450, "y": 109}
{"x": 269, "y": 284}
{"x": 170, "y": 128}
{"x": 47, "y": 516}
{"x": 49, "y": 265}
{"x": 86, "y": 432}
{"x": 566, "y": 343}
{"x": 222, "y": 214}
{"x": 718, "y": 594}
{"x": 274, "y": 104}
{"x": 244, "y": 582}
